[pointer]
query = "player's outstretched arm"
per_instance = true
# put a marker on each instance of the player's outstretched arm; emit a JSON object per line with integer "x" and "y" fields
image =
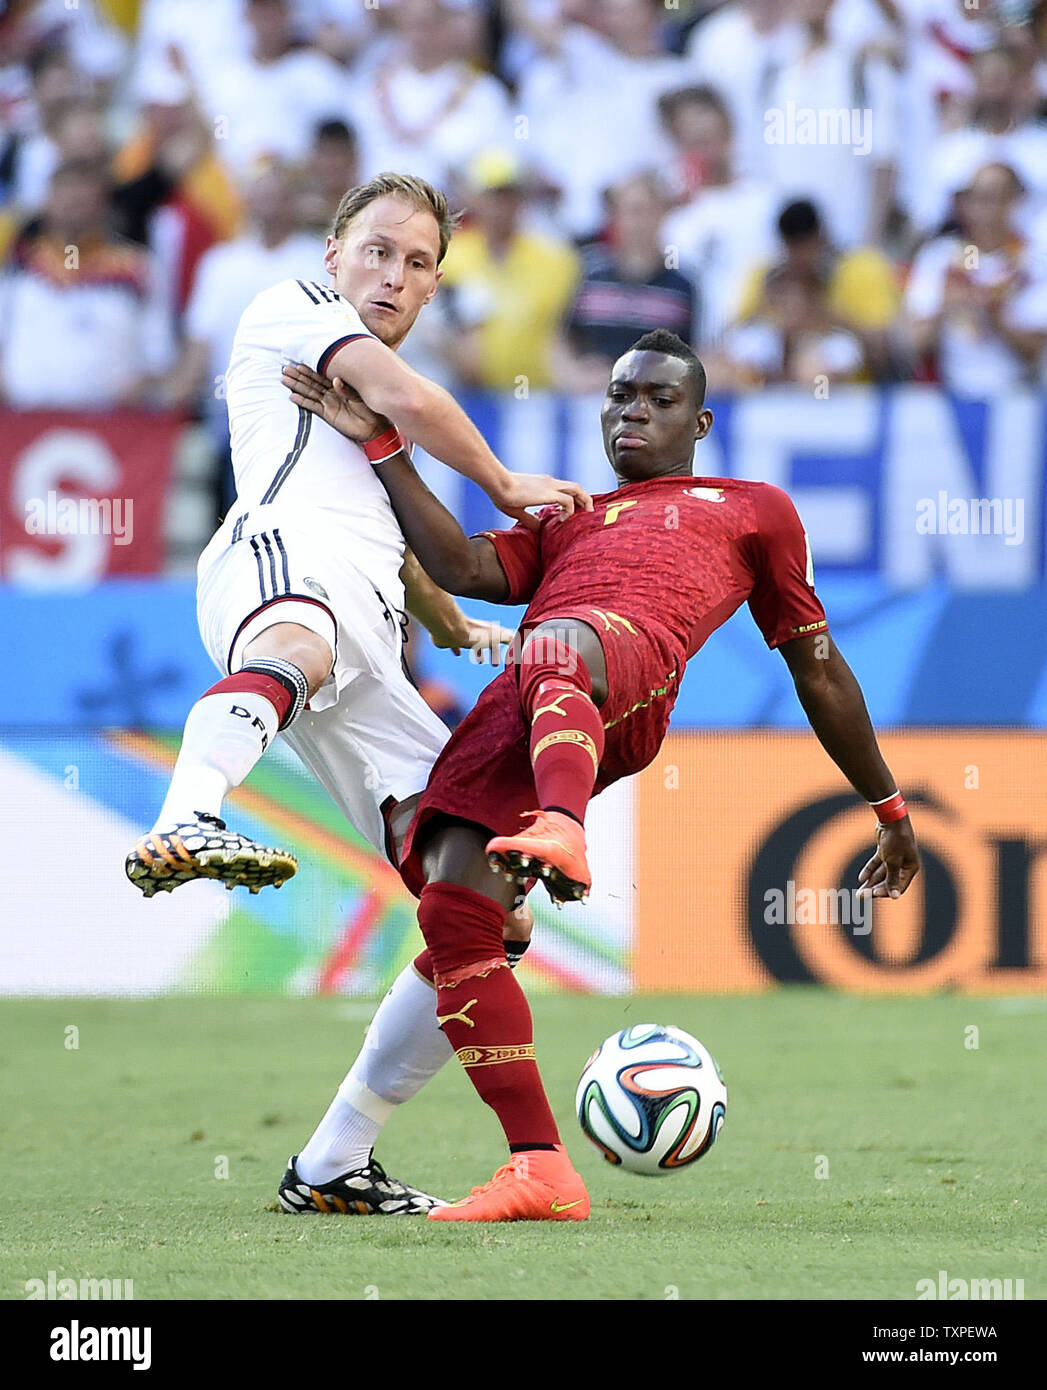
{"x": 835, "y": 707}
{"x": 451, "y": 559}
{"x": 458, "y": 563}
{"x": 448, "y": 626}
{"x": 431, "y": 417}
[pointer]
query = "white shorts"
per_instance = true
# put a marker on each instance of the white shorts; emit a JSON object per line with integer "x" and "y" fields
{"x": 367, "y": 735}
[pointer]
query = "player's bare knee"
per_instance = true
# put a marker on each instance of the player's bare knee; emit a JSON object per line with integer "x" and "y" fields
{"x": 455, "y": 853}
{"x": 295, "y": 644}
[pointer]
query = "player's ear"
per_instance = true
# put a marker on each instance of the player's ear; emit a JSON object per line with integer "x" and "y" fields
{"x": 436, "y": 285}
{"x": 331, "y": 255}
{"x": 703, "y": 424}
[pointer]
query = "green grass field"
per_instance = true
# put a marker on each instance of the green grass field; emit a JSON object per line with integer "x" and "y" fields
{"x": 934, "y": 1149}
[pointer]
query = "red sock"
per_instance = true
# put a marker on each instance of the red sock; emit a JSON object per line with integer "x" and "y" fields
{"x": 255, "y": 683}
{"x": 483, "y": 1011}
{"x": 567, "y": 734}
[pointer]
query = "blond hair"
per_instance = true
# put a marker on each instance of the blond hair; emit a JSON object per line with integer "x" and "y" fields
{"x": 413, "y": 190}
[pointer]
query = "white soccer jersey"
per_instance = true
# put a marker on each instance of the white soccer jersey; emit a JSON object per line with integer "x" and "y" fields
{"x": 290, "y": 467}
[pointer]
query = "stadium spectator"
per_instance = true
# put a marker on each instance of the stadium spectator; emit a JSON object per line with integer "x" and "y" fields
{"x": 168, "y": 193}
{"x": 209, "y": 36}
{"x": 214, "y": 33}
{"x": 78, "y": 133}
{"x": 507, "y": 288}
{"x": 332, "y": 166}
{"x": 862, "y": 292}
{"x": 627, "y": 287}
{"x": 737, "y": 51}
{"x": 342, "y": 29}
{"x": 270, "y": 101}
{"x": 637, "y": 28}
{"x": 426, "y": 108}
{"x": 230, "y": 274}
{"x": 830, "y": 128}
{"x": 212, "y": 84}
{"x": 82, "y": 132}
{"x": 30, "y": 154}
{"x": 75, "y": 284}
{"x": 998, "y": 128}
{"x": 792, "y": 337}
{"x": 942, "y": 39}
{"x": 533, "y": 29}
{"x": 728, "y": 223}
{"x": 939, "y": 41}
{"x": 472, "y": 31}
{"x": 182, "y": 198}
{"x": 82, "y": 32}
{"x": 698, "y": 123}
{"x": 1035, "y": 38}
{"x": 977, "y": 298}
{"x": 590, "y": 107}
{"x": 140, "y": 184}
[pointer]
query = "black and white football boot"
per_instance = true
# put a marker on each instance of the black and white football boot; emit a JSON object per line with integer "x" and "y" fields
{"x": 362, "y": 1192}
{"x": 204, "y": 848}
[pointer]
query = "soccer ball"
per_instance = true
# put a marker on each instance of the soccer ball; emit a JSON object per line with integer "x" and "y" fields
{"x": 651, "y": 1098}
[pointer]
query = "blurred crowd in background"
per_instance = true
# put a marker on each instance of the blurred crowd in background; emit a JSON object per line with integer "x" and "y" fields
{"x": 837, "y": 190}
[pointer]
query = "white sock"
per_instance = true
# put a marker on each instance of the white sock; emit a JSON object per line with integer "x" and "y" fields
{"x": 404, "y": 1048}
{"x": 342, "y": 1142}
{"x": 224, "y": 737}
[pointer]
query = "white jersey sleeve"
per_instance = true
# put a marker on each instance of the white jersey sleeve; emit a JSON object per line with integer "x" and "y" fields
{"x": 310, "y": 321}
{"x": 291, "y": 469}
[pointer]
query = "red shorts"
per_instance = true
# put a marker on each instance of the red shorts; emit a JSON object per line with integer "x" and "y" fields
{"x": 484, "y": 773}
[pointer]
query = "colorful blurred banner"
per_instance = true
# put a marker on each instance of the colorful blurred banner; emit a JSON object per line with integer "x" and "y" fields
{"x": 743, "y": 841}
{"x": 82, "y": 496}
{"x": 127, "y": 652}
{"x": 724, "y": 867}
{"x": 343, "y": 925}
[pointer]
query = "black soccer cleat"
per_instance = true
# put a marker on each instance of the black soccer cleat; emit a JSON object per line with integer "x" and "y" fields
{"x": 362, "y": 1192}
{"x": 204, "y": 848}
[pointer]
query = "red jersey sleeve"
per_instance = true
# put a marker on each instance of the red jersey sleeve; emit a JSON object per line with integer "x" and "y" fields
{"x": 520, "y": 555}
{"x": 783, "y": 600}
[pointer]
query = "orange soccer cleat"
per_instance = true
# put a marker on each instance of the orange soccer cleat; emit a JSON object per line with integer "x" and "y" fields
{"x": 553, "y": 846}
{"x": 535, "y": 1185}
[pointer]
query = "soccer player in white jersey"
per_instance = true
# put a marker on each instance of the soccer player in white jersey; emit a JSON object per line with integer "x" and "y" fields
{"x": 300, "y": 596}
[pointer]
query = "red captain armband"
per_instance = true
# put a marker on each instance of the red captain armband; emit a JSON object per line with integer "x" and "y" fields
{"x": 890, "y": 808}
{"x": 384, "y": 446}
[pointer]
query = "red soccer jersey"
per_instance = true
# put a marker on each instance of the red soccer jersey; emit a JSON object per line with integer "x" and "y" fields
{"x": 676, "y": 555}
{"x": 654, "y": 569}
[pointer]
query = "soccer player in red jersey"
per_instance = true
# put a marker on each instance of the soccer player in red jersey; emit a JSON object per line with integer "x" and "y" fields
{"x": 619, "y": 600}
